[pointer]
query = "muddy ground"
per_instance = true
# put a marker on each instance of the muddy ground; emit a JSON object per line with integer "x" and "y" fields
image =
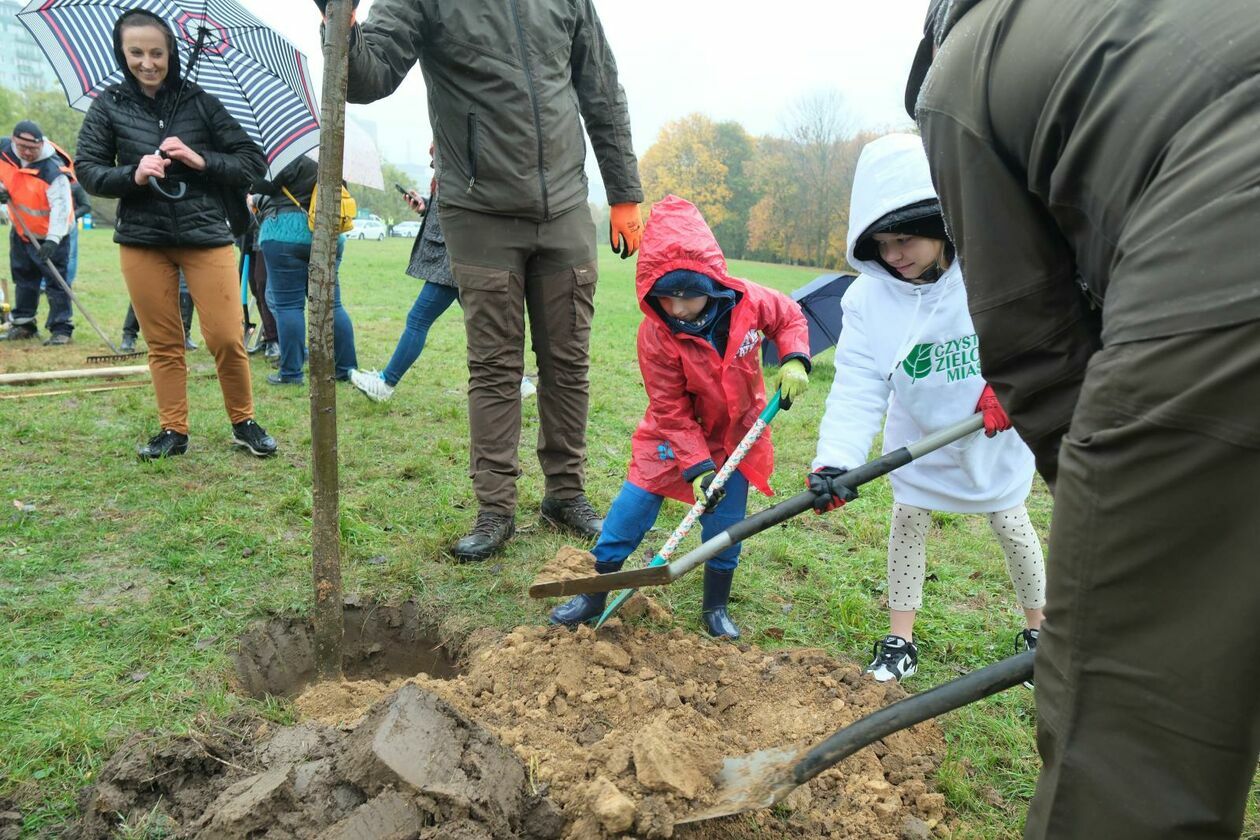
{"x": 545, "y": 733}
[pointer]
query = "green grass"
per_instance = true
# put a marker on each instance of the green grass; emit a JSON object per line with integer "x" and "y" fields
{"x": 122, "y": 592}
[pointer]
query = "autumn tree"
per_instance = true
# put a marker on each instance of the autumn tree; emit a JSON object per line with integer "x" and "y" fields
{"x": 685, "y": 161}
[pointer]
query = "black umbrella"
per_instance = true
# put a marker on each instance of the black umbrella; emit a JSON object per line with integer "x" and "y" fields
{"x": 820, "y": 301}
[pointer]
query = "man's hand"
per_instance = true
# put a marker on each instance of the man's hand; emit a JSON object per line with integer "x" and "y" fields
{"x": 792, "y": 382}
{"x": 830, "y": 492}
{"x": 995, "y": 419}
{"x": 700, "y": 486}
{"x": 46, "y": 249}
{"x": 151, "y": 166}
{"x": 625, "y": 229}
{"x": 175, "y": 149}
{"x": 414, "y": 201}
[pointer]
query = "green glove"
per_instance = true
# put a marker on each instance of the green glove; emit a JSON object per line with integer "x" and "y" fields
{"x": 792, "y": 382}
{"x": 700, "y": 486}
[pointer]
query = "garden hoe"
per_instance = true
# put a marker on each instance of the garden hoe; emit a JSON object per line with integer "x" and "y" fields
{"x": 661, "y": 574}
{"x": 761, "y": 779}
{"x": 115, "y": 356}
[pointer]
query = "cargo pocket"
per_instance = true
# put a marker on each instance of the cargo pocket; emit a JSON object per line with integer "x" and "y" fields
{"x": 584, "y": 277}
{"x": 493, "y": 317}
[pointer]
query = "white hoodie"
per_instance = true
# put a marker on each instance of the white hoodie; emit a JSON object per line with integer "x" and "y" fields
{"x": 911, "y": 352}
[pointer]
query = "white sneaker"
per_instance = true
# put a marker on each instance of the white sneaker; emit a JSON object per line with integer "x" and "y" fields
{"x": 895, "y": 659}
{"x": 372, "y": 384}
{"x": 528, "y": 389}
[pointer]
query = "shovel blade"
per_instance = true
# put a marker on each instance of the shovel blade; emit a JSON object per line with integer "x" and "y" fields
{"x": 749, "y": 783}
{"x": 633, "y": 579}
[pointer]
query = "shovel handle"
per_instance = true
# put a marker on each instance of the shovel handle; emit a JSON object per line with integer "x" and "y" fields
{"x": 905, "y": 713}
{"x": 803, "y": 501}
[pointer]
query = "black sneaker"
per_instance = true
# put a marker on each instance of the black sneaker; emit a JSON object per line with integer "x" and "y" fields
{"x": 895, "y": 659}
{"x": 249, "y": 435}
{"x": 128, "y": 344}
{"x": 1027, "y": 640}
{"x": 57, "y": 339}
{"x": 574, "y": 515}
{"x": 20, "y": 332}
{"x": 163, "y": 445}
{"x": 488, "y": 534}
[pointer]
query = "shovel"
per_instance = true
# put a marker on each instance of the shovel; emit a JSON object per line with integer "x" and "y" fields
{"x": 693, "y": 515}
{"x": 760, "y": 779}
{"x": 65, "y": 287}
{"x": 659, "y": 575}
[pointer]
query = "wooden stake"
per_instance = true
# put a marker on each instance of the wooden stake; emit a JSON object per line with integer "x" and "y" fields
{"x": 77, "y": 373}
{"x": 325, "y": 508}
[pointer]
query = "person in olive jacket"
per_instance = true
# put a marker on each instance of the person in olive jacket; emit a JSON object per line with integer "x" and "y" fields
{"x": 511, "y": 87}
{"x": 129, "y": 139}
{"x": 1097, "y": 166}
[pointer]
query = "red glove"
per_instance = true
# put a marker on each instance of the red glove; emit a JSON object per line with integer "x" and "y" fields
{"x": 625, "y": 228}
{"x": 995, "y": 419}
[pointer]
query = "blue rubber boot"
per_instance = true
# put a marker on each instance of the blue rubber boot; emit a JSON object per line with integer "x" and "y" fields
{"x": 583, "y": 609}
{"x": 717, "y": 592}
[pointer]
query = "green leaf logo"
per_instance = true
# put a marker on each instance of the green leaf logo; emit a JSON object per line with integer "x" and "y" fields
{"x": 918, "y": 363}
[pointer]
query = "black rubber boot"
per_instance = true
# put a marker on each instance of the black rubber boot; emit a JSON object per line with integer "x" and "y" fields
{"x": 717, "y": 592}
{"x": 587, "y": 607}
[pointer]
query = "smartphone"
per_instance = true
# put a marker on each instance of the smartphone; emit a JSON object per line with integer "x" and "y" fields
{"x": 400, "y": 188}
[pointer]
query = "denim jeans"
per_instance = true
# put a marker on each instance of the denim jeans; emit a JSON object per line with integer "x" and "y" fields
{"x": 288, "y": 264}
{"x": 28, "y": 275}
{"x": 72, "y": 266}
{"x": 634, "y": 511}
{"x": 433, "y": 300}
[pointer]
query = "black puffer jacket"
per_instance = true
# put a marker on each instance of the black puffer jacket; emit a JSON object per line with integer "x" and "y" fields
{"x": 123, "y": 125}
{"x": 299, "y": 178}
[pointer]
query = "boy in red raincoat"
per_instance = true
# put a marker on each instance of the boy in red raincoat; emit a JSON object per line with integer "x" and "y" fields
{"x": 699, "y": 352}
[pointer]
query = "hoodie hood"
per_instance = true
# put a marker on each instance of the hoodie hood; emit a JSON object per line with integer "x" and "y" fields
{"x": 677, "y": 238}
{"x": 173, "y": 75}
{"x": 892, "y": 175}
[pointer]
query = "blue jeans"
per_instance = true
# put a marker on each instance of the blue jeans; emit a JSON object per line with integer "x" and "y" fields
{"x": 288, "y": 264}
{"x": 433, "y": 300}
{"x": 634, "y": 511}
{"x": 72, "y": 266}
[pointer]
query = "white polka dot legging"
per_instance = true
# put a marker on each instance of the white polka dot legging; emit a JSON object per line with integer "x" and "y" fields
{"x": 907, "y": 555}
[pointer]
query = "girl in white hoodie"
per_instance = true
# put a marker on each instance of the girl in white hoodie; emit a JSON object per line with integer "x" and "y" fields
{"x": 908, "y": 350}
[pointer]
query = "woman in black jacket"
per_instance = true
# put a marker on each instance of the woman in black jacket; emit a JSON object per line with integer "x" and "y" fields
{"x": 131, "y": 138}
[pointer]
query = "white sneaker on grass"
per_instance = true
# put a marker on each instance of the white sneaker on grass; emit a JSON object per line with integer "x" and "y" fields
{"x": 895, "y": 659}
{"x": 528, "y": 389}
{"x": 372, "y": 384}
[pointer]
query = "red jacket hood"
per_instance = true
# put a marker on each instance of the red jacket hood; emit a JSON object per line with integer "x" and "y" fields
{"x": 677, "y": 237}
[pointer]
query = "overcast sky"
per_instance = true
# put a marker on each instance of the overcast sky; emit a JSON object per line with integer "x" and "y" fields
{"x": 744, "y": 60}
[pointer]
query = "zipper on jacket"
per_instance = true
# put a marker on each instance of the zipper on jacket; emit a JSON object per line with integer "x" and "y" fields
{"x": 472, "y": 150}
{"x": 1094, "y": 302}
{"x": 533, "y": 101}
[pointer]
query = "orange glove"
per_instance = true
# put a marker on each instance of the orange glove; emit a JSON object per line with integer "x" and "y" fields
{"x": 995, "y": 419}
{"x": 625, "y": 228}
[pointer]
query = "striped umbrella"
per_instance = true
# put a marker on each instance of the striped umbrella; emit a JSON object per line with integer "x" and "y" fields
{"x": 260, "y": 78}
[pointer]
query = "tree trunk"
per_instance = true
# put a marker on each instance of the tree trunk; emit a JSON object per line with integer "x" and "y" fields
{"x": 325, "y": 509}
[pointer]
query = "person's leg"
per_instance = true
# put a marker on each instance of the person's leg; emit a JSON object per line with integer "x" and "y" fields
{"x": 26, "y": 281}
{"x": 211, "y": 277}
{"x": 258, "y": 283}
{"x": 896, "y": 656}
{"x": 433, "y": 300}
{"x": 720, "y": 571}
{"x": 72, "y": 260}
{"x": 1024, "y": 561}
{"x": 1148, "y": 686}
{"x": 629, "y": 518}
{"x": 186, "y": 312}
{"x": 152, "y": 279}
{"x": 131, "y": 326}
{"x": 286, "y": 294}
{"x": 344, "y": 357}
{"x": 560, "y": 293}
{"x": 60, "y": 320}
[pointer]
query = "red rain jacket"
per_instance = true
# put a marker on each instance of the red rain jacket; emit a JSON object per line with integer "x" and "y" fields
{"x": 700, "y": 406}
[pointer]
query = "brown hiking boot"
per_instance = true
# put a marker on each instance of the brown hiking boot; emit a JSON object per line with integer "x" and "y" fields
{"x": 574, "y": 515}
{"x": 488, "y": 534}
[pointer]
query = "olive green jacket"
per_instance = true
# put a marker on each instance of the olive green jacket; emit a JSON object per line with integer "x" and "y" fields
{"x": 510, "y": 85}
{"x": 1098, "y": 167}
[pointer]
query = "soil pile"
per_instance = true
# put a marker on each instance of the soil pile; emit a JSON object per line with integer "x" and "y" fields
{"x": 625, "y": 730}
{"x": 414, "y": 768}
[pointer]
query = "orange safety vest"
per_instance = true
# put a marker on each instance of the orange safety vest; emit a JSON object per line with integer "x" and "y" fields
{"x": 27, "y": 184}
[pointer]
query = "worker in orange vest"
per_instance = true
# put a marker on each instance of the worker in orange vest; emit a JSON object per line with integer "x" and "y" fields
{"x": 35, "y": 181}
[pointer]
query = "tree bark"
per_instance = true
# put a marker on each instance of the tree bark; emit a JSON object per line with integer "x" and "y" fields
{"x": 325, "y": 509}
